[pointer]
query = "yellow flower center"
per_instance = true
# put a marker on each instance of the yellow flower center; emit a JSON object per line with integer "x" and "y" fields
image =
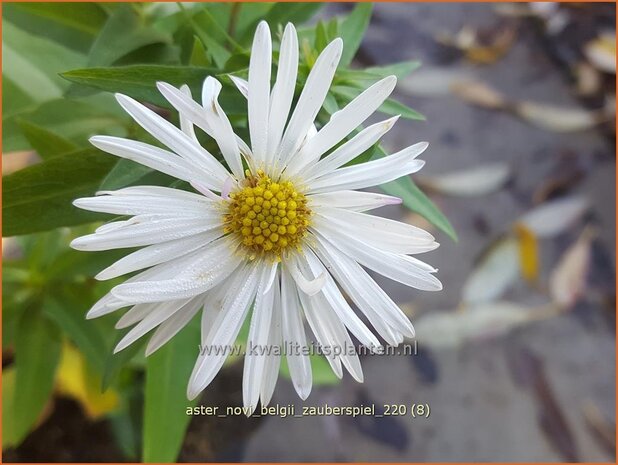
{"x": 268, "y": 216}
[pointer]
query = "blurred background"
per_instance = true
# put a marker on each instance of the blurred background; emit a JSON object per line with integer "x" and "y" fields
{"x": 516, "y": 357}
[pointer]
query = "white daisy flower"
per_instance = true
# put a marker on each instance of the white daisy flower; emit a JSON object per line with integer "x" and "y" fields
{"x": 275, "y": 234}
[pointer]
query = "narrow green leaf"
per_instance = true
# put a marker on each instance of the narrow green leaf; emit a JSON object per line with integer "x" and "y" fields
{"x": 37, "y": 352}
{"x": 199, "y": 57}
{"x": 321, "y": 37}
{"x": 124, "y": 32}
{"x": 353, "y": 30}
{"x": 116, "y": 362}
{"x": 69, "y": 315}
{"x": 32, "y": 64}
{"x": 139, "y": 81}
{"x": 38, "y": 198}
{"x": 74, "y": 27}
{"x": 415, "y": 200}
{"x": 297, "y": 13}
{"x": 125, "y": 172}
{"x": 165, "y": 416}
{"x": 70, "y": 119}
{"x": 352, "y": 76}
{"x": 211, "y": 34}
{"x": 9, "y": 438}
{"x": 46, "y": 143}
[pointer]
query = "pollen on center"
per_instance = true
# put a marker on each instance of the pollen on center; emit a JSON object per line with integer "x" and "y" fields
{"x": 269, "y": 216}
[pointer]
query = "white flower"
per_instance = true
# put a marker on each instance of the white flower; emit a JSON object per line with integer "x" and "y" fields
{"x": 280, "y": 236}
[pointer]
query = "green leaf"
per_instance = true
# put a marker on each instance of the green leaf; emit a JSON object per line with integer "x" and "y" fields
{"x": 283, "y": 13}
{"x": 9, "y": 438}
{"x": 124, "y": 32}
{"x": 32, "y": 64}
{"x": 415, "y": 200}
{"x": 37, "y": 352}
{"x": 70, "y": 119}
{"x": 165, "y": 416}
{"x": 74, "y": 27}
{"x": 353, "y": 30}
{"x": 139, "y": 81}
{"x": 125, "y": 172}
{"x": 321, "y": 37}
{"x": 69, "y": 315}
{"x": 38, "y": 198}
{"x": 400, "y": 70}
{"x": 45, "y": 142}
{"x": 116, "y": 362}
{"x": 199, "y": 57}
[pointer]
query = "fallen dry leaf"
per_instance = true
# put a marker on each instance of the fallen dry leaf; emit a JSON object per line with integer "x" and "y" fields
{"x": 497, "y": 270}
{"x": 559, "y": 119}
{"x": 554, "y": 217}
{"x": 567, "y": 282}
{"x": 601, "y": 52}
{"x": 432, "y": 82}
{"x": 528, "y": 252}
{"x": 588, "y": 79}
{"x": 479, "y": 93}
{"x": 451, "y": 329}
{"x": 472, "y": 182}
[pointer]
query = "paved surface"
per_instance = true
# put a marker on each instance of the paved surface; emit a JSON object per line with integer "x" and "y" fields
{"x": 479, "y": 410}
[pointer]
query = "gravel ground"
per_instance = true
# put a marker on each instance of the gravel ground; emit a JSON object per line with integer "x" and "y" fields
{"x": 480, "y": 411}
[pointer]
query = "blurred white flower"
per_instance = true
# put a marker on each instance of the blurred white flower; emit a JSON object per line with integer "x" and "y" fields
{"x": 277, "y": 236}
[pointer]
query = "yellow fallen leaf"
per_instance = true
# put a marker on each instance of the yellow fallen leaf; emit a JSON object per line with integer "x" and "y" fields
{"x": 601, "y": 52}
{"x": 528, "y": 252}
{"x": 75, "y": 380}
{"x": 567, "y": 282}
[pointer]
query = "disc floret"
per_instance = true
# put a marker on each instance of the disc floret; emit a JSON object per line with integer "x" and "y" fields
{"x": 269, "y": 217}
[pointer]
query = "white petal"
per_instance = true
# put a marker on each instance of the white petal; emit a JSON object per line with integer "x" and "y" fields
{"x": 241, "y": 84}
{"x": 200, "y": 272}
{"x": 224, "y": 330}
{"x": 135, "y": 233}
{"x": 365, "y": 292}
{"x": 283, "y": 90}
{"x": 257, "y": 344}
{"x": 185, "y": 105}
{"x": 358, "y": 201}
{"x": 259, "y": 90}
{"x": 173, "y": 325}
{"x": 174, "y": 138}
{"x": 347, "y": 152}
{"x": 144, "y": 204}
{"x": 105, "y": 305}
{"x": 338, "y": 303}
{"x": 319, "y": 327}
{"x": 294, "y": 337}
{"x": 158, "y": 253}
{"x": 135, "y": 314}
{"x": 222, "y": 130}
{"x": 382, "y": 233}
{"x": 273, "y": 361}
{"x": 186, "y": 125}
{"x": 150, "y": 156}
{"x": 371, "y": 173}
{"x": 345, "y": 121}
{"x": 158, "y": 315}
{"x": 309, "y": 286}
{"x": 310, "y": 101}
{"x": 398, "y": 267}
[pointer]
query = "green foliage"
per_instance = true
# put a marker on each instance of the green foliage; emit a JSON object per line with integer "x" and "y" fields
{"x": 38, "y": 198}
{"x": 62, "y": 65}
{"x": 167, "y": 374}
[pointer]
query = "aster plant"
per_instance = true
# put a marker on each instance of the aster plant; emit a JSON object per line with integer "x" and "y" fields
{"x": 240, "y": 193}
